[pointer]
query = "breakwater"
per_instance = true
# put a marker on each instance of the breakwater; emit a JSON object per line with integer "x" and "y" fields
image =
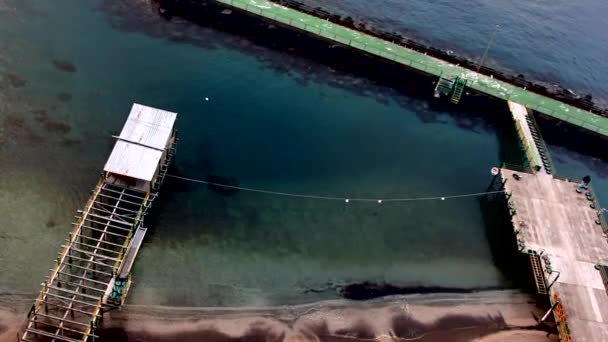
{"x": 269, "y": 17}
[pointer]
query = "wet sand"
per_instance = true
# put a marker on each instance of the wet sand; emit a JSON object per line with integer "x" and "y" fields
{"x": 485, "y": 317}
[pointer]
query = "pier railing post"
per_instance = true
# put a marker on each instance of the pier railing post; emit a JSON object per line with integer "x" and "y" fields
{"x": 46, "y": 289}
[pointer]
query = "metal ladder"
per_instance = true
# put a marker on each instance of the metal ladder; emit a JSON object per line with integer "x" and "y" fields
{"x": 539, "y": 276}
{"x": 458, "y": 89}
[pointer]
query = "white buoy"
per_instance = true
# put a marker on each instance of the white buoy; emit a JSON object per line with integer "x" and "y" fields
{"x": 347, "y": 200}
{"x": 443, "y": 198}
{"x": 379, "y": 201}
{"x": 206, "y": 99}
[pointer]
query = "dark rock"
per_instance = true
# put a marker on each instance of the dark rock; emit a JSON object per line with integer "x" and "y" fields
{"x": 64, "y": 65}
{"x": 41, "y": 115}
{"x": 57, "y": 127}
{"x": 368, "y": 290}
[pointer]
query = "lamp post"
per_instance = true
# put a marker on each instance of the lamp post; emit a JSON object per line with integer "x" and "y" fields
{"x": 490, "y": 42}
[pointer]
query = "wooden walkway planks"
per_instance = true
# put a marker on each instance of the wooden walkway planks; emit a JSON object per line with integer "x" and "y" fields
{"x": 68, "y": 288}
{"x": 72, "y": 300}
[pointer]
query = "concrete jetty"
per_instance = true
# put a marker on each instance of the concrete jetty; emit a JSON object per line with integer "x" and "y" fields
{"x": 452, "y": 79}
{"x": 556, "y": 226}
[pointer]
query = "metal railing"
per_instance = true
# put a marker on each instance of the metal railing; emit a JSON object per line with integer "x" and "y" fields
{"x": 506, "y": 94}
{"x": 416, "y": 64}
{"x": 542, "y": 140}
{"x": 326, "y": 33}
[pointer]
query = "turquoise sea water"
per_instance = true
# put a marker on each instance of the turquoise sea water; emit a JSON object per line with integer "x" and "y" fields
{"x": 70, "y": 72}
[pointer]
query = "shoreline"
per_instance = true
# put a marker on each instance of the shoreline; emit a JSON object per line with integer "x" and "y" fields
{"x": 481, "y": 316}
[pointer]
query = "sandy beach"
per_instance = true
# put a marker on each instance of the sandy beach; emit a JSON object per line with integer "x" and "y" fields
{"x": 484, "y": 316}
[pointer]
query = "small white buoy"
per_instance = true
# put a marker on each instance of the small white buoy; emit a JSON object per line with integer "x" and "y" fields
{"x": 347, "y": 200}
{"x": 379, "y": 201}
{"x": 443, "y": 198}
{"x": 206, "y": 99}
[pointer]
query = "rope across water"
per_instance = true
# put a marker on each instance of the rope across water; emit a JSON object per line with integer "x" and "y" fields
{"x": 335, "y": 198}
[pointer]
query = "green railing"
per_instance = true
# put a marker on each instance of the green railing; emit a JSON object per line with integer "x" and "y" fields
{"x": 422, "y": 62}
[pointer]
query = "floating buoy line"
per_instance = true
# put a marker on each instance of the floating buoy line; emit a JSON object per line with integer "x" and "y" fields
{"x": 336, "y": 198}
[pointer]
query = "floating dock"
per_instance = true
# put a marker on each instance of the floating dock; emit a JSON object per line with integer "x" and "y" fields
{"x": 453, "y": 80}
{"x": 92, "y": 274}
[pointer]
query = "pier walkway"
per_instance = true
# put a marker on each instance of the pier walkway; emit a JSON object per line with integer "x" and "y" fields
{"x": 455, "y": 74}
{"x": 92, "y": 273}
{"x": 532, "y": 142}
{"x": 557, "y": 226}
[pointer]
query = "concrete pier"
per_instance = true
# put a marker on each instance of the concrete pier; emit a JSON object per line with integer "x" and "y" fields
{"x": 557, "y": 225}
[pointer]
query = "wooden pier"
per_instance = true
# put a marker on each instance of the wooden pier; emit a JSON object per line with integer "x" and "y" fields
{"x": 556, "y": 226}
{"x": 92, "y": 274}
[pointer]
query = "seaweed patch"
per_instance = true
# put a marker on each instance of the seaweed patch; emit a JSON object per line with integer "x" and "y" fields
{"x": 64, "y": 97}
{"x": 15, "y": 80}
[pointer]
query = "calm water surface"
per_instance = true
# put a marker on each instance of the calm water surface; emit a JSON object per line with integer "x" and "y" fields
{"x": 70, "y": 71}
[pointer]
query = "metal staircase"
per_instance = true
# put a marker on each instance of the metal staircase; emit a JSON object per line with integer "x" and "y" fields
{"x": 457, "y": 90}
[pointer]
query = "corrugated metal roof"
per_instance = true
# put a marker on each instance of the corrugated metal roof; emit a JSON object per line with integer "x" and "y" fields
{"x": 133, "y": 160}
{"x": 141, "y": 143}
{"x": 148, "y": 126}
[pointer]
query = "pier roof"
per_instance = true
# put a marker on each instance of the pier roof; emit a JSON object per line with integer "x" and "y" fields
{"x": 141, "y": 142}
{"x": 422, "y": 62}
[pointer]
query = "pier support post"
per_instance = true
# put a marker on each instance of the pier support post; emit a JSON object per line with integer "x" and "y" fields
{"x": 46, "y": 289}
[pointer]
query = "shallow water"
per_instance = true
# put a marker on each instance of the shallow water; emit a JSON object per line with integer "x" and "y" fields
{"x": 273, "y": 121}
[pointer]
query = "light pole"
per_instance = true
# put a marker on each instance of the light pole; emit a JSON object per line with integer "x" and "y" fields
{"x": 485, "y": 54}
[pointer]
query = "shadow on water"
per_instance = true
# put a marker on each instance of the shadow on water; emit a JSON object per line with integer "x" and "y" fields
{"x": 579, "y": 140}
{"x": 289, "y": 53}
{"x": 514, "y": 266}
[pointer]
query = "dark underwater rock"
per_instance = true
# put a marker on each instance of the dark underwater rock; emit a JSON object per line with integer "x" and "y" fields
{"x": 64, "y": 97}
{"x": 367, "y": 290}
{"x": 15, "y": 80}
{"x": 64, "y": 65}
